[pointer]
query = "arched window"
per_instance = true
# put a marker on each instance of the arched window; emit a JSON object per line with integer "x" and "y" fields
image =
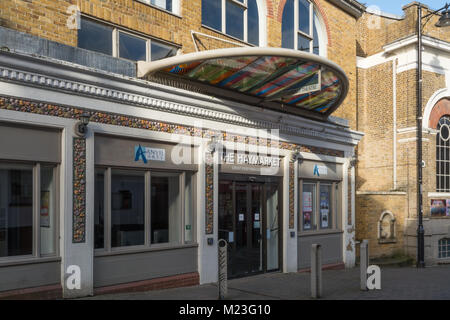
{"x": 443, "y": 155}
{"x": 301, "y": 27}
{"x": 237, "y": 18}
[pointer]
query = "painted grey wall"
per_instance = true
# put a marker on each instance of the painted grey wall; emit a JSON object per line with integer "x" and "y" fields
{"x": 29, "y": 143}
{"x": 331, "y": 249}
{"x": 120, "y": 151}
{"x": 29, "y": 275}
{"x": 123, "y": 268}
{"x": 306, "y": 170}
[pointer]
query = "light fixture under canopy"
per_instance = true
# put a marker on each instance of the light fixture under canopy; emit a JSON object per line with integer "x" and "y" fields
{"x": 282, "y": 79}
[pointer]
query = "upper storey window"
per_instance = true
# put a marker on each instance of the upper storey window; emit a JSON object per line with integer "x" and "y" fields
{"x": 237, "y": 18}
{"x": 120, "y": 43}
{"x": 169, "y": 5}
{"x": 301, "y": 28}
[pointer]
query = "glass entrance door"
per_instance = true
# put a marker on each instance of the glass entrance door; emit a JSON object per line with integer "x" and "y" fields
{"x": 248, "y": 220}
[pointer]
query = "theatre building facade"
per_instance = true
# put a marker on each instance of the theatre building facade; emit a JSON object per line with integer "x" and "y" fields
{"x": 129, "y": 149}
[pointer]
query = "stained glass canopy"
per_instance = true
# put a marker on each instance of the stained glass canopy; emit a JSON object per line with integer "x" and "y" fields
{"x": 282, "y": 79}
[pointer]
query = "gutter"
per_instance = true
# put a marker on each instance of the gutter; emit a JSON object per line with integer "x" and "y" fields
{"x": 352, "y": 7}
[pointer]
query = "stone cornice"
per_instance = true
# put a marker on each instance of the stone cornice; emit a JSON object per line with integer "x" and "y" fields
{"x": 34, "y": 76}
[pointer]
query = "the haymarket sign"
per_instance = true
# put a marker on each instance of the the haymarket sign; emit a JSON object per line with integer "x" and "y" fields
{"x": 250, "y": 159}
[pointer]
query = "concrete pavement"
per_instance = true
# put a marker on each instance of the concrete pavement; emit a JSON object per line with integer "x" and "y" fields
{"x": 407, "y": 283}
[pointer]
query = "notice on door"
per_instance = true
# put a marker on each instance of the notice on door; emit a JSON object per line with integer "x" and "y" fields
{"x": 241, "y": 217}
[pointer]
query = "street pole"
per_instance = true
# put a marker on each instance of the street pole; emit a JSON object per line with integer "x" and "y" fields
{"x": 420, "y": 230}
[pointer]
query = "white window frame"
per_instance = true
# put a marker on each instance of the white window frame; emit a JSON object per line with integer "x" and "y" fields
{"x": 36, "y": 216}
{"x": 147, "y": 173}
{"x": 175, "y": 6}
{"x": 244, "y": 5}
{"x": 313, "y": 15}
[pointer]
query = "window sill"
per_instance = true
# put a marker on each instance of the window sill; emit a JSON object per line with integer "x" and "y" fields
{"x": 142, "y": 249}
{"x": 318, "y": 232}
{"x": 15, "y": 261}
{"x": 228, "y": 36}
{"x": 160, "y": 9}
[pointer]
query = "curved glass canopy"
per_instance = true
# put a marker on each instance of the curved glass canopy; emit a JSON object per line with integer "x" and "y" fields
{"x": 284, "y": 79}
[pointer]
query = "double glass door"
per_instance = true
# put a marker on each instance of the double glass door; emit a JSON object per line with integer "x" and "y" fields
{"x": 249, "y": 221}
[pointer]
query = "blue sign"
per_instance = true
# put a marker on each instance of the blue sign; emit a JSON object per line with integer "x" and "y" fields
{"x": 316, "y": 170}
{"x": 139, "y": 153}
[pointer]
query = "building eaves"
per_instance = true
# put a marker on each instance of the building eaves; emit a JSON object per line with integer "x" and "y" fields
{"x": 352, "y": 7}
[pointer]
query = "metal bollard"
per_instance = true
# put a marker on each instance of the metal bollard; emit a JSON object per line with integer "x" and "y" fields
{"x": 223, "y": 276}
{"x": 316, "y": 271}
{"x": 364, "y": 263}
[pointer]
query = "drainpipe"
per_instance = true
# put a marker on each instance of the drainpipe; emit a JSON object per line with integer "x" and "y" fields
{"x": 394, "y": 112}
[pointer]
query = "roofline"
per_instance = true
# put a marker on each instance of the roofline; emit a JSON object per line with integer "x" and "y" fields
{"x": 352, "y": 7}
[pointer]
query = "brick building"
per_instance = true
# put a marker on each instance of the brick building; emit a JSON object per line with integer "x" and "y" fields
{"x": 93, "y": 197}
{"x": 386, "y": 200}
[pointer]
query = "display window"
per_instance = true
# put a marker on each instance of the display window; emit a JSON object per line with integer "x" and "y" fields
{"x": 143, "y": 208}
{"x": 318, "y": 205}
{"x": 28, "y": 209}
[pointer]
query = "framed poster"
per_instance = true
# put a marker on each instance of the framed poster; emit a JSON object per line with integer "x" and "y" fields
{"x": 438, "y": 207}
{"x": 45, "y": 205}
{"x": 307, "y": 210}
{"x": 324, "y": 209}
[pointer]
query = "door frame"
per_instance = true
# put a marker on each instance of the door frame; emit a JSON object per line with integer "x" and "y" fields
{"x": 264, "y": 180}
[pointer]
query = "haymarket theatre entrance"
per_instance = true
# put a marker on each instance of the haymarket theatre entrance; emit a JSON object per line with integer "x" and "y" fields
{"x": 249, "y": 219}
{"x": 250, "y": 214}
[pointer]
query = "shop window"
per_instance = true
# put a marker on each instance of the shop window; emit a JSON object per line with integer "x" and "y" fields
{"x": 318, "y": 205}
{"x": 140, "y": 203}
{"x": 127, "y": 208}
{"x": 18, "y": 212}
{"x": 443, "y": 155}
{"x": 120, "y": 43}
{"x": 301, "y": 27}
{"x": 444, "y": 248}
{"x": 237, "y": 18}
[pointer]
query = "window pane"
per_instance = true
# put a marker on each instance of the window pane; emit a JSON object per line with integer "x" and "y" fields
{"x": 253, "y": 23}
{"x": 303, "y": 16}
{"x": 99, "y": 209}
{"x": 165, "y": 212}
{"x": 288, "y": 25}
{"x": 131, "y": 48}
{"x": 48, "y": 211}
{"x": 94, "y": 36}
{"x": 235, "y": 20}
{"x": 308, "y": 206}
{"x": 316, "y": 49}
{"x": 325, "y": 206}
{"x": 165, "y": 4}
{"x": 188, "y": 207}
{"x": 161, "y": 51}
{"x": 212, "y": 13}
{"x": 303, "y": 44}
{"x": 127, "y": 208}
{"x": 16, "y": 210}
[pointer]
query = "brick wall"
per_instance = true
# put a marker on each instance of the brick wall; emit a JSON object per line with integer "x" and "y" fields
{"x": 47, "y": 19}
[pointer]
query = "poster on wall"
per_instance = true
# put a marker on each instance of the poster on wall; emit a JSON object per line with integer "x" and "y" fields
{"x": 439, "y": 207}
{"x": 324, "y": 209}
{"x": 307, "y": 210}
{"x": 45, "y": 201}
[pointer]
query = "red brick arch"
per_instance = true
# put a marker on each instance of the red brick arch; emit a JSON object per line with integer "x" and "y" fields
{"x": 439, "y": 110}
{"x": 318, "y": 6}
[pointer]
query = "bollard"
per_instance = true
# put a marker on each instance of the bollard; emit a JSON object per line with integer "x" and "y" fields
{"x": 364, "y": 263}
{"x": 316, "y": 271}
{"x": 223, "y": 276}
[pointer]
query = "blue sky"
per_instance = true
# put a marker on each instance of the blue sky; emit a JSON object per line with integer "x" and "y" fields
{"x": 395, "y": 6}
